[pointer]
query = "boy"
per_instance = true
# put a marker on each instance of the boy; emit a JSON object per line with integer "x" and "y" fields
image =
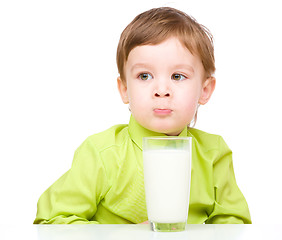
{"x": 166, "y": 64}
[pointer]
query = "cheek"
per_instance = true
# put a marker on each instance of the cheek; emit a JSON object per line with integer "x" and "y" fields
{"x": 136, "y": 98}
{"x": 190, "y": 108}
{"x": 189, "y": 101}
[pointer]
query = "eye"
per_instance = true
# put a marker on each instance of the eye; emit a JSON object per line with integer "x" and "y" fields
{"x": 145, "y": 76}
{"x": 178, "y": 77}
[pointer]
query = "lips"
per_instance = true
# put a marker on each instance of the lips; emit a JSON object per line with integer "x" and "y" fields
{"x": 162, "y": 111}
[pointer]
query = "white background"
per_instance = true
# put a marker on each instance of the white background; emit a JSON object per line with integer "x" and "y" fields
{"x": 58, "y": 86}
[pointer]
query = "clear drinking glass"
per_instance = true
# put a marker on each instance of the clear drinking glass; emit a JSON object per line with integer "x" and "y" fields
{"x": 167, "y": 173}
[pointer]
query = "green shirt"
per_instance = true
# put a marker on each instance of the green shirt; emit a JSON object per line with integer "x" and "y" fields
{"x": 105, "y": 183}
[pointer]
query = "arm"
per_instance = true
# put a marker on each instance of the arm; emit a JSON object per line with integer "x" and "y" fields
{"x": 75, "y": 196}
{"x": 230, "y": 205}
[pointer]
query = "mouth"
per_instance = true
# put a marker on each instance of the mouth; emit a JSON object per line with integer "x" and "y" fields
{"x": 162, "y": 111}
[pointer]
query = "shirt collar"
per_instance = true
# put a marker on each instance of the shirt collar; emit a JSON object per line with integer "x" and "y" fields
{"x": 137, "y": 132}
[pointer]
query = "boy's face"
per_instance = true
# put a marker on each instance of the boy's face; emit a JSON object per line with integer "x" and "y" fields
{"x": 164, "y": 85}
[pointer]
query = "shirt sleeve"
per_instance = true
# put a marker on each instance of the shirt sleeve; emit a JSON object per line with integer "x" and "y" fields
{"x": 230, "y": 205}
{"x": 74, "y": 197}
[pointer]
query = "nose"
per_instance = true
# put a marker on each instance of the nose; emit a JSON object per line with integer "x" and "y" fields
{"x": 162, "y": 89}
{"x": 157, "y": 94}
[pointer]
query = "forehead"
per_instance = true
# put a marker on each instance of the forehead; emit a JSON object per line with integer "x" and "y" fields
{"x": 170, "y": 52}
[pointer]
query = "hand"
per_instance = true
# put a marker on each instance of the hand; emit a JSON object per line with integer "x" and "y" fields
{"x": 146, "y": 222}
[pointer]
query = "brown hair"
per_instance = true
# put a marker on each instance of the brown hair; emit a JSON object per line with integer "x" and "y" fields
{"x": 158, "y": 24}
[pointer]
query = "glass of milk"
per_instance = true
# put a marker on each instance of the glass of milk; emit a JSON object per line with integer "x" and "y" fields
{"x": 167, "y": 173}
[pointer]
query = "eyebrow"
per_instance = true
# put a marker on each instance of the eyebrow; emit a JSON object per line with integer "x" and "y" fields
{"x": 184, "y": 66}
{"x": 139, "y": 65}
{"x": 177, "y": 66}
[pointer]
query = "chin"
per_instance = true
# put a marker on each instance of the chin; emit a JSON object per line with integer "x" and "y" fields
{"x": 173, "y": 133}
{"x": 165, "y": 127}
{"x": 168, "y": 131}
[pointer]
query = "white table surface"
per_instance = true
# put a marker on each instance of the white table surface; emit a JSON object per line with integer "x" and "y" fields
{"x": 138, "y": 232}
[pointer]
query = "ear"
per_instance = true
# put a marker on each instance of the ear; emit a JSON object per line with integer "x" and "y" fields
{"x": 207, "y": 90}
{"x": 122, "y": 88}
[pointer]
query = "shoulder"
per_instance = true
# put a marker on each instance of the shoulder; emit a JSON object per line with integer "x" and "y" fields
{"x": 98, "y": 147}
{"x": 207, "y": 141}
{"x": 114, "y": 136}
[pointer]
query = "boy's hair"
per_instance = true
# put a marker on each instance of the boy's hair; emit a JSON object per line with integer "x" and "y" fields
{"x": 157, "y": 25}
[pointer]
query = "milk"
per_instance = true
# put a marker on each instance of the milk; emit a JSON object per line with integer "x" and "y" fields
{"x": 167, "y": 184}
